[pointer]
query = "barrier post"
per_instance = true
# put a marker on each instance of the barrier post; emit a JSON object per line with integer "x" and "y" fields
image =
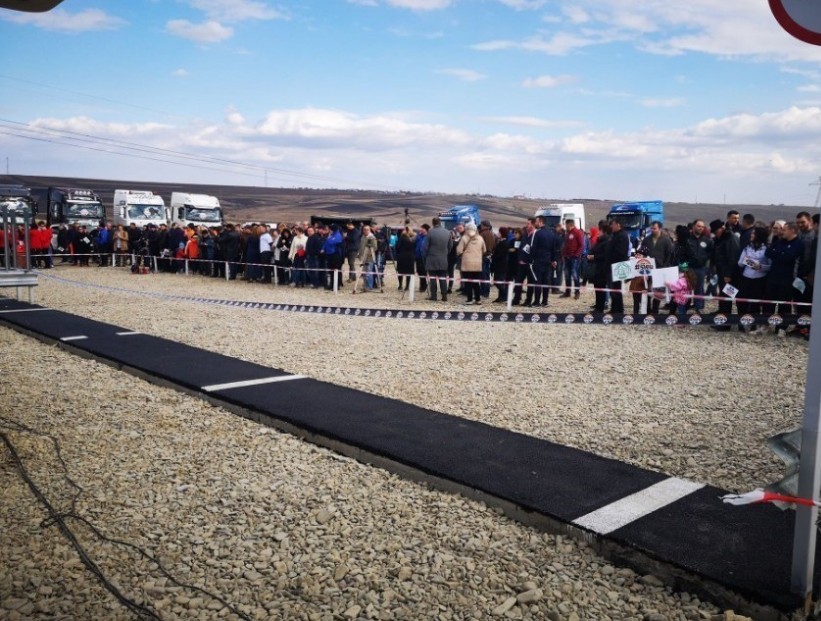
{"x": 336, "y": 280}
{"x": 411, "y": 288}
{"x": 809, "y": 470}
{"x": 154, "y": 261}
{"x": 227, "y": 270}
{"x": 186, "y": 267}
{"x": 511, "y": 287}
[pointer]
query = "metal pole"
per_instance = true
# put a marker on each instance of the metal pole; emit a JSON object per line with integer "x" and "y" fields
{"x": 511, "y": 286}
{"x": 412, "y": 288}
{"x": 809, "y": 475}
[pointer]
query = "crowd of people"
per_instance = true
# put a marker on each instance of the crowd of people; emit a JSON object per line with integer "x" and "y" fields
{"x": 740, "y": 261}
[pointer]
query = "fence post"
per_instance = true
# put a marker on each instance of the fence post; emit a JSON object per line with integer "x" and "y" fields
{"x": 335, "y": 276}
{"x": 411, "y": 288}
{"x": 511, "y": 287}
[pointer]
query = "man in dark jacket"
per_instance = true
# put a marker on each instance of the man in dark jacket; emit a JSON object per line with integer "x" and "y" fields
{"x": 725, "y": 260}
{"x": 698, "y": 250}
{"x": 437, "y": 245}
{"x": 617, "y": 251}
{"x": 786, "y": 254}
{"x": 352, "y": 238}
{"x": 545, "y": 256}
{"x": 229, "y": 244}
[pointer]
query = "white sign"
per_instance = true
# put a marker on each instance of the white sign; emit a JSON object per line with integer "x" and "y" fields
{"x": 729, "y": 291}
{"x": 664, "y": 276}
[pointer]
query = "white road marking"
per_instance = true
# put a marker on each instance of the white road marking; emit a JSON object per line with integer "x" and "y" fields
{"x": 630, "y": 508}
{"x": 256, "y": 382}
{"x": 74, "y": 338}
{"x": 24, "y": 310}
{"x": 127, "y": 333}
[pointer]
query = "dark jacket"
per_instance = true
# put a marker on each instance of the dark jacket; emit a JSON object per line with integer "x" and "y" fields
{"x": 661, "y": 250}
{"x": 546, "y": 247}
{"x": 352, "y": 239}
{"x": 618, "y": 249}
{"x": 786, "y": 260}
{"x": 725, "y": 257}
{"x": 499, "y": 260}
{"x": 698, "y": 251}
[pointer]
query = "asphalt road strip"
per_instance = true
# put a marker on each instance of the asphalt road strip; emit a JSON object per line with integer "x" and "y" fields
{"x": 630, "y": 508}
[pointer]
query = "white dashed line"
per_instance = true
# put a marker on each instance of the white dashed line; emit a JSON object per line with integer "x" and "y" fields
{"x": 127, "y": 333}
{"x": 24, "y": 310}
{"x": 74, "y": 338}
{"x": 630, "y": 508}
{"x": 256, "y": 382}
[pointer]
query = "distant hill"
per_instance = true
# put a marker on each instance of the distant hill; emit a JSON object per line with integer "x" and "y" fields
{"x": 258, "y": 204}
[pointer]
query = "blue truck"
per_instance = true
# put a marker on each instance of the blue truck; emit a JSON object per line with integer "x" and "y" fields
{"x": 636, "y": 217}
{"x": 459, "y": 214}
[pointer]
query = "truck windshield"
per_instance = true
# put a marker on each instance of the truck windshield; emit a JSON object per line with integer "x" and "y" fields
{"x": 146, "y": 212}
{"x": 15, "y": 209}
{"x": 85, "y": 210}
{"x": 628, "y": 220}
{"x": 552, "y": 221}
{"x": 202, "y": 215}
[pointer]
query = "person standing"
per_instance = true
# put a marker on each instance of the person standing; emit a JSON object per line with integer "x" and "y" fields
{"x": 499, "y": 264}
{"x": 405, "y": 246}
{"x": 617, "y": 251}
{"x": 698, "y": 250}
{"x": 572, "y": 251}
{"x": 437, "y": 246}
{"x": 352, "y": 241}
{"x": 366, "y": 255}
{"x": 659, "y": 247}
{"x": 486, "y": 232}
{"x": 472, "y": 251}
{"x": 419, "y": 255}
{"x": 545, "y": 253}
{"x": 725, "y": 260}
{"x": 266, "y": 253}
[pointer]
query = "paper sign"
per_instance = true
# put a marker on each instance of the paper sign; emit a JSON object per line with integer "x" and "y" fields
{"x": 622, "y": 270}
{"x": 729, "y": 291}
{"x": 664, "y": 276}
{"x": 799, "y": 284}
{"x": 643, "y": 266}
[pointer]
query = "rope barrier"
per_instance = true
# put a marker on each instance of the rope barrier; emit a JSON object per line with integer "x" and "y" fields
{"x": 492, "y": 282}
{"x": 711, "y": 319}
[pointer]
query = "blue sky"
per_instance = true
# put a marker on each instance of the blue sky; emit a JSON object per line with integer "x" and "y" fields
{"x": 613, "y": 99}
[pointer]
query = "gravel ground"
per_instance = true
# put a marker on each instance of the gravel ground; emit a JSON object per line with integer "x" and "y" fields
{"x": 284, "y": 530}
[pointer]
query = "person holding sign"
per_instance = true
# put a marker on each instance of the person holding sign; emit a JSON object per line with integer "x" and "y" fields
{"x": 755, "y": 265}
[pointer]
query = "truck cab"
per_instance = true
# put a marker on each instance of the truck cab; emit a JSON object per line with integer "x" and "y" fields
{"x": 138, "y": 207}
{"x": 195, "y": 209}
{"x": 70, "y": 206}
{"x": 16, "y": 199}
{"x": 558, "y": 213}
{"x": 459, "y": 214}
{"x": 637, "y": 217}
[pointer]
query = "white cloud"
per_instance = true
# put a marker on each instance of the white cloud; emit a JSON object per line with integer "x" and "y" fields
{"x": 529, "y": 121}
{"x": 233, "y": 117}
{"x": 61, "y": 20}
{"x": 321, "y": 126}
{"x": 809, "y": 88}
{"x": 180, "y": 73}
{"x": 753, "y": 156}
{"x": 732, "y": 28}
{"x": 207, "y": 32}
{"x": 466, "y": 75}
{"x": 236, "y": 10}
{"x": 576, "y": 14}
{"x": 670, "y": 102}
{"x": 548, "y": 81}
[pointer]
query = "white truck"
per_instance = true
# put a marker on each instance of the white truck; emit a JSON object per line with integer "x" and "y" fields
{"x": 196, "y": 209}
{"x": 556, "y": 213}
{"x": 138, "y": 207}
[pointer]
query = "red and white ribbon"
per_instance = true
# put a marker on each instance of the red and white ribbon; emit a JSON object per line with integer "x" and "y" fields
{"x": 758, "y": 496}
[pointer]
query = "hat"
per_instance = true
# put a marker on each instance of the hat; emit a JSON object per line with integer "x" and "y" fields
{"x": 715, "y": 225}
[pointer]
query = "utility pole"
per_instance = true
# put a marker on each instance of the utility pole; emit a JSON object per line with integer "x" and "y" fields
{"x": 817, "y": 202}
